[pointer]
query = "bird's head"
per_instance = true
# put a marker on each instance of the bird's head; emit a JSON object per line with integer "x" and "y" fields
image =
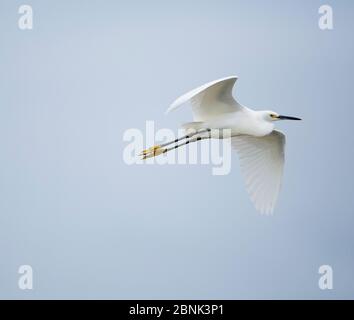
{"x": 273, "y": 116}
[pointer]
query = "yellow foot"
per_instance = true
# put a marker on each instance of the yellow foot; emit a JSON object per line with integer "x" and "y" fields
{"x": 152, "y": 152}
{"x": 152, "y": 149}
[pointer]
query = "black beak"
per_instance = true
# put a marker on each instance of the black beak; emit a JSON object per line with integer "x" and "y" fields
{"x": 287, "y": 118}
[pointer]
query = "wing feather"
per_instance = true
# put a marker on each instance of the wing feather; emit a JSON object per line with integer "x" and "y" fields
{"x": 210, "y": 100}
{"x": 262, "y": 165}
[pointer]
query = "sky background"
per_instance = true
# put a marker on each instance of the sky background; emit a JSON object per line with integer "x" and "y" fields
{"x": 93, "y": 227}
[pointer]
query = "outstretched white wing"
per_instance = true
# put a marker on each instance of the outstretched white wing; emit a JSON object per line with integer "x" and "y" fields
{"x": 262, "y": 163}
{"x": 210, "y": 100}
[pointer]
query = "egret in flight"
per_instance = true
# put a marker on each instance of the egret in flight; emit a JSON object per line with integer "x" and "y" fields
{"x": 260, "y": 147}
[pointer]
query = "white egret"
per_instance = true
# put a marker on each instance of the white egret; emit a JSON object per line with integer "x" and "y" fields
{"x": 259, "y": 146}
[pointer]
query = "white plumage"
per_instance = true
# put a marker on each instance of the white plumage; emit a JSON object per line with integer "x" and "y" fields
{"x": 210, "y": 100}
{"x": 259, "y": 146}
{"x": 262, "y": 163}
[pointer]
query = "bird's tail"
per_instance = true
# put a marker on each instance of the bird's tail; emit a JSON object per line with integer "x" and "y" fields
{"x": 193, "y": 126}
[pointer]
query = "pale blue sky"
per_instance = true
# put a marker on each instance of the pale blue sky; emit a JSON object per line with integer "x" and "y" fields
{"x": 93, "y": 227}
